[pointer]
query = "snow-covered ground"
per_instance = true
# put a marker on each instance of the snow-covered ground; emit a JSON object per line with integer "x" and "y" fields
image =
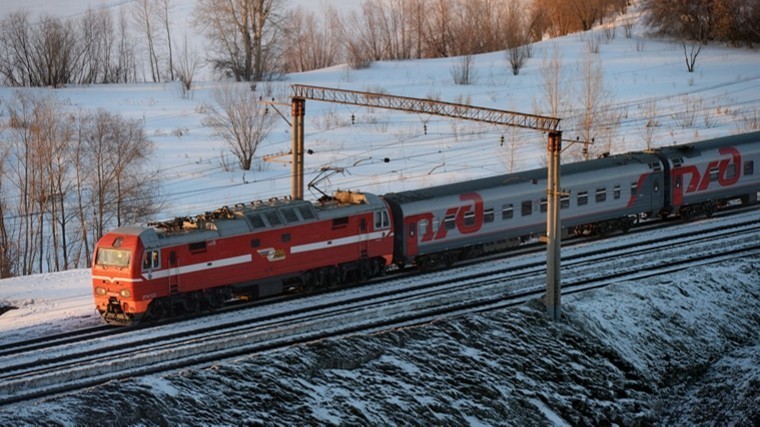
{"x": 672, "y": 350}
{"x": 675, "y": 350}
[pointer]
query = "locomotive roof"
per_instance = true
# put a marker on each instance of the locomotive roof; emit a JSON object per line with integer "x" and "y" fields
{"x": 258, "y": 215}
{"x": 533, "y": 176}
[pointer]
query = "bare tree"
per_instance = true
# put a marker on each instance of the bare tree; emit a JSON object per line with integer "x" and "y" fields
{"x": 693, "y": 22}
{"x": 97, "y": 36}
{"x": 462, "y": 71}
{"x": 241, "y": 121}
{"x": 311, "y": 43}
{"x": 164, "y": 12}
{"x": 551, "y": 73}
{"x": 595, "y": 118}
{"x": 16, "y": 52}
{"x": 124, "y": 70}
{"x": 7, "y": 246}
{"x": 145, "y": 16}
{"x": 237, "y": 31}
{"x": 648, "y": 110}
{"x": 187, "y": 63}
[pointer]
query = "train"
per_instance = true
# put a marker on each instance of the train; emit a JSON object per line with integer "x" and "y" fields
{"x": 266, "y": 248}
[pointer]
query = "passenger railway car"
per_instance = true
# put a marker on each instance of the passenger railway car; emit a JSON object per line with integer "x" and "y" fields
{"x": 456, "y": 221}
{"x": 705, "y": 175}
{"x": 263, "y": 249}
{"x": 249, "y": 251}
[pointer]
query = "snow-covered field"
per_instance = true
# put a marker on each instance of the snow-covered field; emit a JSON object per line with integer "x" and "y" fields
{"x": 671, "y": 351}
{"x": 676, "y": 350}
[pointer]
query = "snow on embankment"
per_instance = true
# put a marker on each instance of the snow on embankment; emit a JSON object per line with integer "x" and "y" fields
{"x": 674, "y": 350}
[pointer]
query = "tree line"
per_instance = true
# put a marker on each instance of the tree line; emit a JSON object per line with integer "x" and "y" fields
{"x": 65, "y": 179}
{"x": 256, "y": 40}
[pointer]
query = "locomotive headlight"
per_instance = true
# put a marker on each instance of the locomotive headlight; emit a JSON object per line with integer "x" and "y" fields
{"x": 100, "y": 290}
{"x": 125, "y": 293}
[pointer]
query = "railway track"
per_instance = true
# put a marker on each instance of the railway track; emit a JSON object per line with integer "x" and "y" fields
{"x": 35, "y": 372}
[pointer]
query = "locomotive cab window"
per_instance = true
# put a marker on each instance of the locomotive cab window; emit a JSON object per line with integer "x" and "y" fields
{"x": 151, "y": 260}
{"x": 634, "y": 189}
{"x": 507, "y": 211}
{"x": 113, "y": 257}
{"x": 616, "y": 192}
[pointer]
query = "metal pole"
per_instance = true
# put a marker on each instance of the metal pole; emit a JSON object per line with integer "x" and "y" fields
{"x": 298, "y": 111}
{"x": 553, "y": 227}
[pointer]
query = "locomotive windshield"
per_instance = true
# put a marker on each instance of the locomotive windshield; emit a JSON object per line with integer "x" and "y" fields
{"x": 113, "y": 257}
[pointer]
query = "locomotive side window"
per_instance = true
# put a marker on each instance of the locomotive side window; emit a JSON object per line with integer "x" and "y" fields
{"x": 634, "y": 189}
{"x": 601, "y": 195}
{"x": 256, "y": 221}
{"x": 339, "y": 222}
{"x": 616, "y": 192}
{"x": 488, "y": 215}
{"x": 290, "y": 215}
{"x": 381, "y": 220}
{"x": 151, "y": 260}
{"x": 507, "y": 211}
{"x": 197, "y": 247}
{"x": 273, "y": 218}
{"x": 543, "y": 205}
{"x": 527, "y": 208}
{"x": 423, "y": 226}
{"x": 749, "y": 167}
{"x": 306, "y": 212}
{"x": 564, "y": 201}
{"x": 583, "y": 198}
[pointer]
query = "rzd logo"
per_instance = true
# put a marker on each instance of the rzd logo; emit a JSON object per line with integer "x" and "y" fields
{"x": 467, "y": 218}
{"x": 701, "y": 181}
